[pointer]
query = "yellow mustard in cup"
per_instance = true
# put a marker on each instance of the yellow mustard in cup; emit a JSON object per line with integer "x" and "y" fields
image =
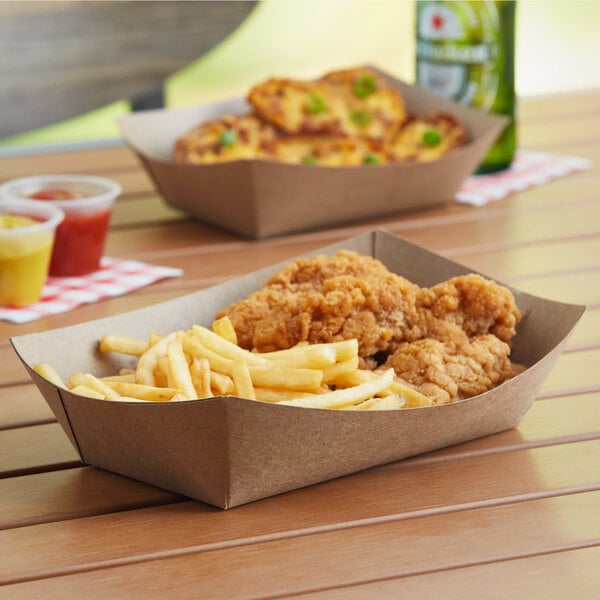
{"x": 27, "y": 230}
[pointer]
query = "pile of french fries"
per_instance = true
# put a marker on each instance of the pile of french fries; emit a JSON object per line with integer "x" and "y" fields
{"x": 203, "y": 363}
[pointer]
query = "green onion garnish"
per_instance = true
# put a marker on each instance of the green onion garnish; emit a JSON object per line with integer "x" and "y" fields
{"x": 316, "y": 104}
{"x": 309, "y": 160}
{"x": 432, "y": 137}
{"x": 227, "y": 139}
{"x": 365, "y": 86}
{"x": 361, "y": 117}
{"x": 371, "y": 159}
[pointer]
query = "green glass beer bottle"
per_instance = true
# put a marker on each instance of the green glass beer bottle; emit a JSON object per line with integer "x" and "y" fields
{"x": 466, "y": 51}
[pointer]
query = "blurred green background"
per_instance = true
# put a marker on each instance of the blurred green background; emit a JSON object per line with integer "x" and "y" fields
{"x": 557, "y": 50}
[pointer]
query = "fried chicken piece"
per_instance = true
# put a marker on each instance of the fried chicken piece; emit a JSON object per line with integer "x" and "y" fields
{"x": 449, "y": 341}
{"x": 324, "y": 299}
{"x": 446, "y": 372}
{"x": 478, "y": 305}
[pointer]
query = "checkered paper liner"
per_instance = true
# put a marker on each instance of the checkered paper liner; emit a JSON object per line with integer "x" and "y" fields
{"x": 115, "y": 277}
{"x": 529, "y": 169}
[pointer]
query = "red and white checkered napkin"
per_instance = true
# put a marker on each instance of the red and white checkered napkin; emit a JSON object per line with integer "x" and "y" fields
{"x": 114, "y": 278}
{"x": 529, "y": 169}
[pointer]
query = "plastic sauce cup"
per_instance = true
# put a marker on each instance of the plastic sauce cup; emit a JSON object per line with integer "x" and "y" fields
{"x": 87, "y": 203}
{"x": 25, "y": 249}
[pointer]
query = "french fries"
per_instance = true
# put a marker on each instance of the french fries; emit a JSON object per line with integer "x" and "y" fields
{"x": 201, "y": 363}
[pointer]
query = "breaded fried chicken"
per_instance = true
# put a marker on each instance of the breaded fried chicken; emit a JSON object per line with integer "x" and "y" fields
{"x": 324, "y": 299}
{"x": 446, "y": 372}
{"x": 450, "y": 341}
{"x": 468, "y": 304}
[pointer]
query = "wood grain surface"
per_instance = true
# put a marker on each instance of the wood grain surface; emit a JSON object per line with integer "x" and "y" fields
{"x": 512, "y": 515}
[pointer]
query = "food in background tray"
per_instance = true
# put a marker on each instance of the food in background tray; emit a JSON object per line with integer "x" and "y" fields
{"x": 231, "y": 137}
{"x": 355, "y": 102}
{"x": 429, "y": 138}
{"x": 349, "y": 117}
{"x": 331, "y": 151}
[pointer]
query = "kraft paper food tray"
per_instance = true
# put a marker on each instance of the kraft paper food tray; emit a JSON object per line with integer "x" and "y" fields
{"x": 228, "y": 451}
{"x": 262, "y": 198}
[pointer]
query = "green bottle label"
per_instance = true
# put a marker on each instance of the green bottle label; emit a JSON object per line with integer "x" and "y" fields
{"x": 465, "y": 51}
{"x": 459, "y": 53}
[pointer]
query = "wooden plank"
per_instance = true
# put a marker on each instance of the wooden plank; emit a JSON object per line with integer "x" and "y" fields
{"x": 73, "y": 493}
{"x": 565, "y": 106}
{"x": 23, "y": 405}
{"x": 407, "y": 489}
{"x": 92, "y": 162}
{"x": 574, "y": 371}
{"x": 578, "y": 287}
{"x": 143, "y": 210}
{"x": 540, "y": 133}
{"x": 349, "y": 556}
{"x": 39, "y": 448}
{"x": 435, "y": 230}
{"x": 587, "y": 331}
{"x": 13, "y": 372}
{"x": 544, "y": 424}
{"x": 554, "y": 256}
{"x": 563, "y": 574}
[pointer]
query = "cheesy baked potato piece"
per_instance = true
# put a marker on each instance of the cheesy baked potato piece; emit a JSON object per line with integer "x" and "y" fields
{"x": 375, "y": 108}
{"x": 298, "y": 106}
{"x": 329, "y": 151}
{"x": 231, "y": 137}
{"x": 354, "y": 102}
{"x": 427, "y": 139}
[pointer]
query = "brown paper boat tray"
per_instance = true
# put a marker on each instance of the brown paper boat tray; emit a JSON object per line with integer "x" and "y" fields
{"x": 261, "y": 198}
{"x": 228, "y": 451}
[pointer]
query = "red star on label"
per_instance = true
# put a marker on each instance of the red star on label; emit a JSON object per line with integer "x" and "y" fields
{"x": 437, "y": 21}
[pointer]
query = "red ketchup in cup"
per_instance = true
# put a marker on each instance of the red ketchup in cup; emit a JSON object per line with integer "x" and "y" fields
{"x": 87, "y": 203}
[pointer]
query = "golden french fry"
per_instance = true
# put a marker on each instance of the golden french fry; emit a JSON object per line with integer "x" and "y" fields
{"x": 200, "y": 373}
{"x": 286, "y": 378}
{"x": 390, "y": 402}
{"x": 89, "y": 381}
{"x": 127, "y": 377}
{"x": 345, "y": 397}
{"x": 224, "y": 328}
{"x": 412, "y": 397}
{"x": 277, "y": 395}
{"x": 195, "y": 349}
{"x": 162, "y": 373}
{"x": 311, "y": 357}
{"x": 123, "y": 344}
{"x": 356, "y": 377}
{"x": 49, "y": 372}
{"x": 179, "y": 369}
{"x": 144, "y": 372}
{"x": 242, "y": 381}
{"x": 140, "y": 391}
{"x": 220, "y": 384}
{"x": 343, "y": 349}
{"x": 335, "y": 373}
{"x": 210, "y": 340}
{"x": 154, "y": 338}
{"x": 84, "y": 390}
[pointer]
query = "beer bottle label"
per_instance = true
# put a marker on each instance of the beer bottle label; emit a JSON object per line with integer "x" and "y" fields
{"x": 459, "y": 53}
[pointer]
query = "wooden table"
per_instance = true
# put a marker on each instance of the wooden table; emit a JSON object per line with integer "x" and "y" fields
{"x": 509, "y": 516}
